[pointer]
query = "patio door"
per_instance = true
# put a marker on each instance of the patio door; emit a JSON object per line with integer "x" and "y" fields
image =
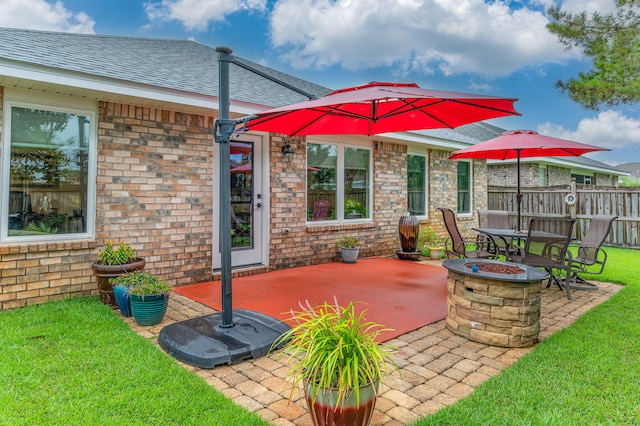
{"x": 247, "y": 203}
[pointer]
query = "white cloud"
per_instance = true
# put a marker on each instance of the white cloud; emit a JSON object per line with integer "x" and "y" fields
{"x": 197, "y": 14}
{"x": 42, "y": 15}
{"x": 609, "y": 129}
{"x": 589, "y": 6}
{"x": 424, "y": 36}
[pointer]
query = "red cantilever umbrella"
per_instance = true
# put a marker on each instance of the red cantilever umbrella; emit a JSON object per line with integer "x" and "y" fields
{"x": 380, "y": 108}
{"x": 524, "y": 143}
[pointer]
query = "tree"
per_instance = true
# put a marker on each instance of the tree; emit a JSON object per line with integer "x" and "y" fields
{"x": 613, "y": 40}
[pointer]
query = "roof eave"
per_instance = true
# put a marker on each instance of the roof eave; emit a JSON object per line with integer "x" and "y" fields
{"x": 37, "y": 77}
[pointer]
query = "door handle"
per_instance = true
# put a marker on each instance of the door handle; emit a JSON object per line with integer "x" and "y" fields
{"x": 258, "y": 205}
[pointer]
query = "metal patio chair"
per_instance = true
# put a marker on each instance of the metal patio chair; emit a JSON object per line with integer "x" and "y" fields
{"x": 483, "y": 248}
{"x": 546, "y": 247}
{"x": 591, "y": 258}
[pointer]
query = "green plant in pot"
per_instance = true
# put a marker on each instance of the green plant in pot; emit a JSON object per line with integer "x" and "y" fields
{"x": 115, "y": 260}
{"x": 149, "y": 296}
{"x": 335, "y": 356}
{"x": 430, "y": 243}
{"x": 349, "y": 248}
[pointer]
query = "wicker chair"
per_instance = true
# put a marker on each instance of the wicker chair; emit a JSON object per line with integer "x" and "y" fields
{"x": 483, "y": 249}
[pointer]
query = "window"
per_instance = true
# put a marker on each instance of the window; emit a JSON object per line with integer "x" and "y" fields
{"x": 338, "y": 182}
{"x": 417, "y": 184}
{"x": 46, "y": 183}
{"x": 464, "y": 187}
{"x": 542, "y": 175}
{"x": 582, "y": 179}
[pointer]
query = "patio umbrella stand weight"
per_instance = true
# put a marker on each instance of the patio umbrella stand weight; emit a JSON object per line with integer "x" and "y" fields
{"x": 203, "y": 341}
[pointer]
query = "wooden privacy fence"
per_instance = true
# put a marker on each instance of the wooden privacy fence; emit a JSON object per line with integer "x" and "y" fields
{"x": 550, "y": 201}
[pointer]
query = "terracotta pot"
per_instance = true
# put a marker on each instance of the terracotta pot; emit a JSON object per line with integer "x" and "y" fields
{"x": 104, "y": 272}
{"x": 324, "y": 412}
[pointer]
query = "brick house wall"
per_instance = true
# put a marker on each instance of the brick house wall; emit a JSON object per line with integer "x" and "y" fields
{"x": 507, "y": 174}
{"x": 558, "y": 176}
{"x": 443, "y": 191}
{"x": 313, "y": 244}
{"x": 154, "y": 189}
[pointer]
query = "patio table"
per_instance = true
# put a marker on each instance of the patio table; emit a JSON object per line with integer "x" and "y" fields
{"x": 507, "y": 236}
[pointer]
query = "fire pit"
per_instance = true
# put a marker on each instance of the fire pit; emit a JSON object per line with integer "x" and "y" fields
{"x": 493, "y": 302}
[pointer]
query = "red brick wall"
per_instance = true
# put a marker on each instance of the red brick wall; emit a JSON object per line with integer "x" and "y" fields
{"x": 306, "y": 245}
{"x": 154, "y": 189}
{"x": 154, "y": 186}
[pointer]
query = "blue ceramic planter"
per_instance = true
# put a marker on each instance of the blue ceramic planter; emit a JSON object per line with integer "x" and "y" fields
{"x": 149, "y": 309}
{"x": 123, "y": 299}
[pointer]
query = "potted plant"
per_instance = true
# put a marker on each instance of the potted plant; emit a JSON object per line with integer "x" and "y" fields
{"x": 430, "y": 243}
{"x": 115, "y": 260}
{"x": 349, "y": 248}
{"x": 337, "y": 360}
{"x": 149, "y": 296}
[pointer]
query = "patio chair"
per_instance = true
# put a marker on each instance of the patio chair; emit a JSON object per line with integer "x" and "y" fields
{"x": 498, "y": 219}
{"x": 320, "y": 210}
{"x": 483, "y": 249}
{"x": 591, "y": 258}
{"x": 546, "y": 247}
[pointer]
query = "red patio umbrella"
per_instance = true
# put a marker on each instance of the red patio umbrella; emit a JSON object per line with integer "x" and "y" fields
{"x": 380, "y": 108}
{"x": 524, "y": 143}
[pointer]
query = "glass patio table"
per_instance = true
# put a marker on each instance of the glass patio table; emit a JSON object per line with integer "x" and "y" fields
{"x": 507, "y": 236}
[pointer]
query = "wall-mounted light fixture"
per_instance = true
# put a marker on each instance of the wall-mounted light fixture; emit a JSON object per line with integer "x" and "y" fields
{"x": 286, "y": 147}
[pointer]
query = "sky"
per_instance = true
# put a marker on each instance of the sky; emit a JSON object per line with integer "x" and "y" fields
{"x": 499, "y": 48}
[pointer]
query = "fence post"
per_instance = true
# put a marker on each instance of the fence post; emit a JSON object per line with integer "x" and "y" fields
{"x": 573, "y": 208}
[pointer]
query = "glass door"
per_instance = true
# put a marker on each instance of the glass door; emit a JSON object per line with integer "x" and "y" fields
{"x": 246, "y": 204}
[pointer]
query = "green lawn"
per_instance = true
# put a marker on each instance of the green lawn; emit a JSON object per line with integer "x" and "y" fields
{"x": 586, "y": 374}
{"x": 75, "y": 362}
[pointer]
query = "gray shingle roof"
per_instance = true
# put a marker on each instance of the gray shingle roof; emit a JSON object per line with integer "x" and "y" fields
{"x": 181, "y": 65}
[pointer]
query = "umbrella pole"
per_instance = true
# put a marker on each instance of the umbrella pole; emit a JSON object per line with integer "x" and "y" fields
{"x": 226, "y": 127}
{"x": 519, "y": 195}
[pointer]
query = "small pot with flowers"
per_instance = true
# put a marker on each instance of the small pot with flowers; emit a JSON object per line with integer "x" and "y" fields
{"x": 349, "y": 249}
{"x": 115, "y": 260}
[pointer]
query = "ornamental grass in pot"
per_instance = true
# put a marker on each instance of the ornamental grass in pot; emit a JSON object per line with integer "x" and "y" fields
{"x": 115, "y": 260}
{"x": 338, "y": 362}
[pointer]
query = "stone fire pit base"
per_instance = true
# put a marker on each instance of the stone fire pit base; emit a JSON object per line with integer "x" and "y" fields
{"x": 492, "y": 308}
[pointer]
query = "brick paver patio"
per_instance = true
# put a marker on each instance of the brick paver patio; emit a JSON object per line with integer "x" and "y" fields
{"x": 437, "y": 367}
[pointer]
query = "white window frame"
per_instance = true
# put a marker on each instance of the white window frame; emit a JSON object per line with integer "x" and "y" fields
{"x": 340, "y": 147}
{"x": 426, "y": 183}
{"x": 57, "y": 103}
{"x": 470, "y": 213}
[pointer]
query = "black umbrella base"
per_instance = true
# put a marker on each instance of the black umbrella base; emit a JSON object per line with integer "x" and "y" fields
{"x": 203, "y": 342}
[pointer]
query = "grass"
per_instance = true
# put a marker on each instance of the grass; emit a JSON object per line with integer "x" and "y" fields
{"x": 76, "y": 362}
{"x": 588, "y": 373}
